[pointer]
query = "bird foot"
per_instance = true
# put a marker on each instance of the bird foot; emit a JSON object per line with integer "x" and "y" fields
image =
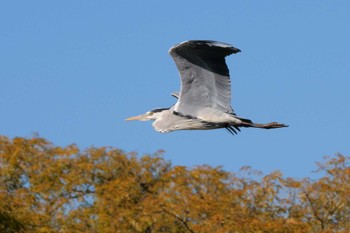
{"x": 274, "y": 125}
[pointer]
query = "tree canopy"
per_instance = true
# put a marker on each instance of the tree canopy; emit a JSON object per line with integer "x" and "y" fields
{"x": 48, "y": 188}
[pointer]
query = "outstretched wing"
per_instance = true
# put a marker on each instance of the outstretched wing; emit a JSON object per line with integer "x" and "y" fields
{"x": 205, "y": 80}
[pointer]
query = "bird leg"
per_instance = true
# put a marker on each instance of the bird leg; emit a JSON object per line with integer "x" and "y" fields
{"x": 271, "y": 125}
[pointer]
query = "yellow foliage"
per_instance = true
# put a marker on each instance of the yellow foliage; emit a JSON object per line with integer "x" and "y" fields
{"x": 46, "y": 188}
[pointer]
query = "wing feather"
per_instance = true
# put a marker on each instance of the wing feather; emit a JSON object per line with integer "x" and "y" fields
{"x": 205, "y": 80}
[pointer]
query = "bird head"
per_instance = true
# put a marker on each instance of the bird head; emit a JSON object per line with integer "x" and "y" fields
{"x": 150, "y": 115}
{"x": 143, "y": 117}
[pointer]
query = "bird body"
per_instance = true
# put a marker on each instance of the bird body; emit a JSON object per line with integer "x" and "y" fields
{"x": 204, "y": 100}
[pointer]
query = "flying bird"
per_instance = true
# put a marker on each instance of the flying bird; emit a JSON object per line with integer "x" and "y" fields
{"x": 204, "y": 100}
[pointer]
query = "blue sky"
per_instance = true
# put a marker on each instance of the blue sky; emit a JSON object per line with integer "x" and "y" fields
{"x": 72, "y": 71}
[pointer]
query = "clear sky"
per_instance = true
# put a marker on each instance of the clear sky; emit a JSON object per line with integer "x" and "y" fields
{"x": 72, "y": 71}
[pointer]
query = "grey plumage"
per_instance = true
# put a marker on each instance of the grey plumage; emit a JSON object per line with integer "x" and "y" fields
{"x": 204, "y": 100}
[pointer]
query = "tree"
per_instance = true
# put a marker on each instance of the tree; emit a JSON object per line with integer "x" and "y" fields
{"x": 47, "y": 188}
{"x": 327, "y": 203}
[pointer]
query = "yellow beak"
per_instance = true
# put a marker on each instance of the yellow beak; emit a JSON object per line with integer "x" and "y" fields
{"x": 135, "y": 118}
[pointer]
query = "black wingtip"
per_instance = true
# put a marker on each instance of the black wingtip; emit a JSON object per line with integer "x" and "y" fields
{"x": 232, "y": 129}
{"x": 217, "y": 44}
{"x": 210, "y": 43}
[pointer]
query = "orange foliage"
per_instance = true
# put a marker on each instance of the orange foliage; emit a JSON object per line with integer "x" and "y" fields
{"x": 46, "y": 188}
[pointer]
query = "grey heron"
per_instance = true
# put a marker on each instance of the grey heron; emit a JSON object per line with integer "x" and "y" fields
{"x": 204, "y": 100}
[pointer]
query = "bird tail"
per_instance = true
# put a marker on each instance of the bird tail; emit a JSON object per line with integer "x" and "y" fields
{"x": 244, "y": 120}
